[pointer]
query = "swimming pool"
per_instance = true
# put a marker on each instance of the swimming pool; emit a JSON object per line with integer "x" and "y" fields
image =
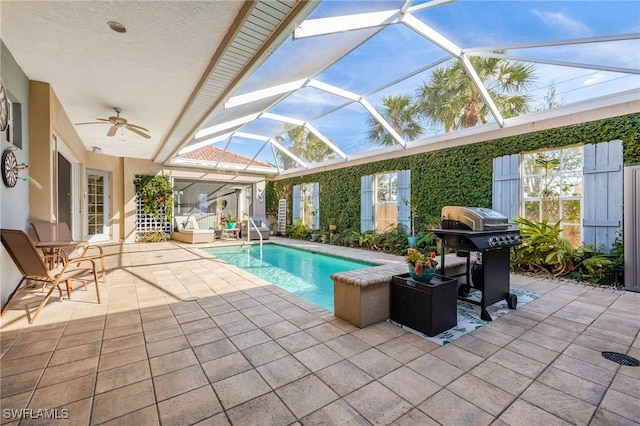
{"x": 301, "y": 272}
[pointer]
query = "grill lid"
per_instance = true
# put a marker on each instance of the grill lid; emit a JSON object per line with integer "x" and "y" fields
{"x": 473, "y": 219}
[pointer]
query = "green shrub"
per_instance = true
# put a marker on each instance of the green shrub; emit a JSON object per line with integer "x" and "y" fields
{"x": 428, "y": 242}
{"x": 298, "y": 231}
{"x": 156, "y": 236}
{"x": 351, "y": 238}
{"x": 394, "y": 240}
{"x": 544, "y": 250}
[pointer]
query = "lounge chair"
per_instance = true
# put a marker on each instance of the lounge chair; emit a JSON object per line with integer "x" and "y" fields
{"x": 32, "y": 266}
{"x": 60, "y": 232}
{"x": 188, "y": 231}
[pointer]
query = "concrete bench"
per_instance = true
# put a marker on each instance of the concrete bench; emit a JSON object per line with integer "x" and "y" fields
{"x": 362, "y": 297}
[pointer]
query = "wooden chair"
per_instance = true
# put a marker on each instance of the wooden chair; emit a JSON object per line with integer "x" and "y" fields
{"x": 60, "y": 232}
{"x": 32, "y": 266}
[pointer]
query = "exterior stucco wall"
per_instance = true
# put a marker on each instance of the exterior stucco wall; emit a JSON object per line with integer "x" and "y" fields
{"x": 41, "y": 173}
{"x": 49, "y": 118}
{"x": 14, "y": 202}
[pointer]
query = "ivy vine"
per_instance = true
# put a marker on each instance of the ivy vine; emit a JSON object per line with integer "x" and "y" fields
{"x": 459, "y": 175}
{"x": 156, "y": 195}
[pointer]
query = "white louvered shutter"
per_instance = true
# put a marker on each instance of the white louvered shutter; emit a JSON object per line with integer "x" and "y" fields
{"x": 366, "y": 203}
{"x": 506, "y": 186}
{"x": 603, "y": 192}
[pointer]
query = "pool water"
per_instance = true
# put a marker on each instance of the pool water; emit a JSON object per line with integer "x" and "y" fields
{"x": 301, "y": 272}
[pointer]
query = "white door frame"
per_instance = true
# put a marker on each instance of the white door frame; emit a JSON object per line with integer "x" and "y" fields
{"x": 59, "y": 147}
{"x": 106, "y": 234}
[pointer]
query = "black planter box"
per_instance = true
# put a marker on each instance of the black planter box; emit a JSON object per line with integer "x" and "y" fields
{"x": 430, "y": 308}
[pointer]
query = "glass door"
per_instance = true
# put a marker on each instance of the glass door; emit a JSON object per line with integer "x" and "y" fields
{"x": 97, "y": 206}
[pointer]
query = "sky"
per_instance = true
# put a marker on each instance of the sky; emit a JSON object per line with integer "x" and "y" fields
{"x": 396, "y": 52}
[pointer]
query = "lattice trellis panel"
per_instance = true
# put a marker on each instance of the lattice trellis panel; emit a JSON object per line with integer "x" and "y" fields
{"x": 282, "y": 215}
{"x": 149, "y": 223}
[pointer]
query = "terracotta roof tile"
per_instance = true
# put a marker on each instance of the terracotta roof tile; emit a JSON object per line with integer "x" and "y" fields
{"x": 214, "y": 154}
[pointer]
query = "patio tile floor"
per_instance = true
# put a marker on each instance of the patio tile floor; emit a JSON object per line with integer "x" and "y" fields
{"x": 183, "y": 338}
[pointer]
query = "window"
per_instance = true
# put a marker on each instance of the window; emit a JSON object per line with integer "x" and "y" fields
{"x": 582, "y": 186}
{"x": 306, "y": 204}
{"x": 552, "y": 189}
{"x": 309, "y": 210}
{"x": 386, "y": 201}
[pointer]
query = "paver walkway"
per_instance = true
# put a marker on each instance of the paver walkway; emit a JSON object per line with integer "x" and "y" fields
{"x": 183, "y": 338}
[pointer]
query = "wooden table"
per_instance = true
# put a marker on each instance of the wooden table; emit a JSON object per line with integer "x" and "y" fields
{"x": 233, "y": 231}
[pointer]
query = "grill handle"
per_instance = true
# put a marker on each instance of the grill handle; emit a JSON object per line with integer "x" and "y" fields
{"x": 496, "y": 226}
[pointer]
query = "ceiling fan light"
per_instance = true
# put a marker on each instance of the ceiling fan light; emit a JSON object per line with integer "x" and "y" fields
{"x": 117, "y": 27}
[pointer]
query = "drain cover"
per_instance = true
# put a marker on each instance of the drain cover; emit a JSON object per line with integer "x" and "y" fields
{"x": 621, "y": 359}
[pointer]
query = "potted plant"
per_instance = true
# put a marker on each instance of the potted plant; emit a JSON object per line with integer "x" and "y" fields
{"x": 421, "y": 267}
{"x": 332, "y": 225}
{"x": 232, "y": 221}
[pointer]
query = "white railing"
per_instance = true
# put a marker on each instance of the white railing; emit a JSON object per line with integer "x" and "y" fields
{"x": 250, "y": 223}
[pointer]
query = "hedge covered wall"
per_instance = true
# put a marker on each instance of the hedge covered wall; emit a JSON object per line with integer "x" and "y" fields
{"x": 451, "y": 176}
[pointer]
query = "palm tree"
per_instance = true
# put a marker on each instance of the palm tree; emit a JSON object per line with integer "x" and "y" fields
{"x": 452, "y": 100}
{"x": 304, "y": 144}
{"x": 402, "y": 114}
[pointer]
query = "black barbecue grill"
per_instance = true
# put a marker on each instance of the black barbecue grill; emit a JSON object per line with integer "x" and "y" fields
{"x": 466, "y": 229}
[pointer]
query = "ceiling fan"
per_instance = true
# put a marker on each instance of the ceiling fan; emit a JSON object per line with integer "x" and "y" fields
{"x": 118, "y": 122}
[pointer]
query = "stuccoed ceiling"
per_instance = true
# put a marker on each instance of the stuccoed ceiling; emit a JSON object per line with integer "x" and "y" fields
{"x": 238, "y": 74}
{"x": 176, "y": 61}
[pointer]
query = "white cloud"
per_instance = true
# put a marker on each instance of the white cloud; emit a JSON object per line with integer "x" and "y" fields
{"x": 557, "y": 20}
{"x": 594, "y": 79}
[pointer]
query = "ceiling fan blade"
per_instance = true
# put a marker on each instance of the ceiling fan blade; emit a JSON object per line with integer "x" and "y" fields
{"x": 112, "y": 131}
{"x": 137, "y": 127}
{"x": 104, "y": 119}
{"x": 134, "y": 130}
{"x": 90, "y": 122}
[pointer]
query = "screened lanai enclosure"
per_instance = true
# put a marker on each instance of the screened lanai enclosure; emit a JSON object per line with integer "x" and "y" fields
{"x": 210, "y": 203}
{"x": 359, "y": 78}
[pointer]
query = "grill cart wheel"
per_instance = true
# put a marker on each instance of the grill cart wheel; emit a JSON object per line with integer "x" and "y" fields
{"x": 463, "y": 291}
{"x": 512, "y": 301}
